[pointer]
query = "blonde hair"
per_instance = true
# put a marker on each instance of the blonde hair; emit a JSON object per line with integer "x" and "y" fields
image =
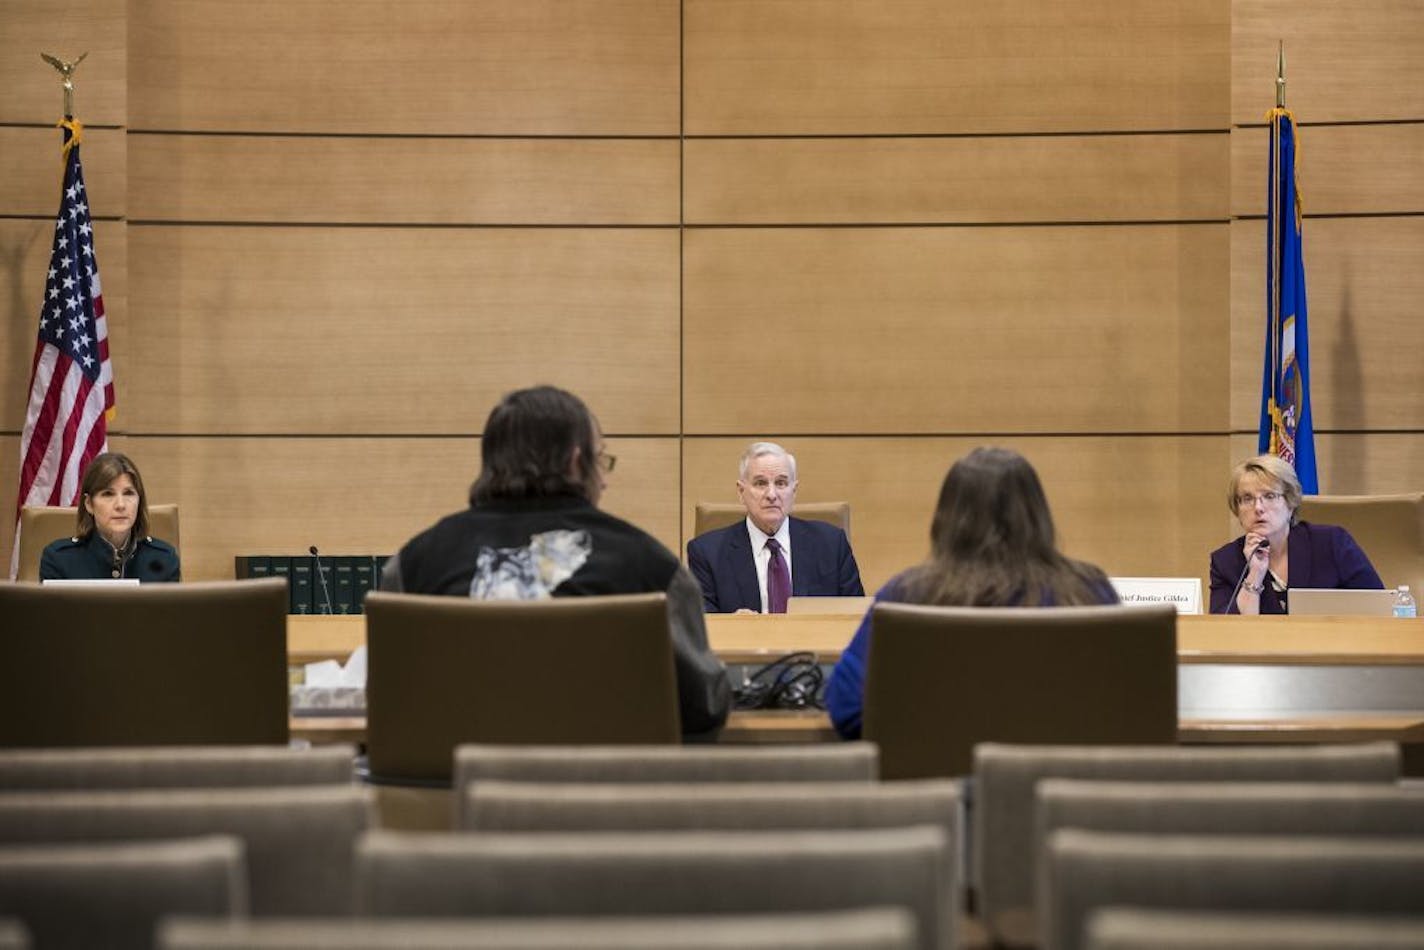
{"x": 1269, "y": 469}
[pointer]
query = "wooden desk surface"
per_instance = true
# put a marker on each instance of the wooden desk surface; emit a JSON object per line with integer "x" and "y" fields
{"x": 777, "y": 726}
{"x": 757, "y": 638}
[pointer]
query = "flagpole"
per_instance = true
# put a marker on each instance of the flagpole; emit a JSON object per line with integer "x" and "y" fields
{"x": 1273, "y": 215}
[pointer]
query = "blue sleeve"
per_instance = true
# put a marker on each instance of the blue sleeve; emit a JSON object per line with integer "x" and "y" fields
{"x": 845, "y": 693}
{"x": 50, "y": 568}
{"x": 1356, "y": 571}
{"x": 848, "y": 572}
{"x": 702, "y": 571}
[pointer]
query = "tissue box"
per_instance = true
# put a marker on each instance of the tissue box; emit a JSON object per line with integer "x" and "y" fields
{"x": 328, "y": 701}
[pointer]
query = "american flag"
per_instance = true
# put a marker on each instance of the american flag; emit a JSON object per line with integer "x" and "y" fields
{"x": 72, "y": 381}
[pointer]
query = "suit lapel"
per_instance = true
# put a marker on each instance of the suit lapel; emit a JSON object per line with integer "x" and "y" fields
{"x": 803, "y": 555}
{"x": 743, "y": 569}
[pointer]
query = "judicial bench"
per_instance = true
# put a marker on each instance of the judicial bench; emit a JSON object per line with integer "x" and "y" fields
{"x": 1240, "y": 679}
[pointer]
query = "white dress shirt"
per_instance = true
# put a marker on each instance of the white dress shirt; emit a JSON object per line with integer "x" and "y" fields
{"x": 761, "y": 557}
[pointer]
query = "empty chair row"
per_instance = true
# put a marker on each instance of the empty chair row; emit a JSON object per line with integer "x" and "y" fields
{"x": 1119, "y": 928}
{"x": 1006, "y": 777}
{"x": 1085, "y": 871}
{"x": 99, "y": 893}
{"x": 207, "y": 766}
{"x": 884, "y": 928}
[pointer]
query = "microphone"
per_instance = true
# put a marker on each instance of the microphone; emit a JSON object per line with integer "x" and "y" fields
{"x": 1263, "y": 546}
{"x": 326, "y": 593}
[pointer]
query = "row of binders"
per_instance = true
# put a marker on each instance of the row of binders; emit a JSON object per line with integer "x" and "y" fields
{"x": 338, "y": 587}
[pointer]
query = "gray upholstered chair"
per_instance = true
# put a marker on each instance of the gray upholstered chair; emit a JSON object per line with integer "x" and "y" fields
{"x": 41, "y": 525}
{"x": 1390, "y": 529}
{"x": 1006, "y": 776}
{"x": 713, "y": 515}
{"x": 940, "y": 679}
{"x": 175, "y": 767}
{"x": 1379, "y": 810}
{"x": 112, "y": 895}
{"x": 519, "y": 806}
{"x": 883, "y": 928}
{"x": 1123, "y": 928}
{"x": 1087, "y": 870}
{"x": 841, "y": 762}
{"x": 14, "y": 935}
{"x": 298, "y": 840}
{"x": 161, "y": 664}
{"x": 446, "y": 671}
{"x": 725, "y": 872}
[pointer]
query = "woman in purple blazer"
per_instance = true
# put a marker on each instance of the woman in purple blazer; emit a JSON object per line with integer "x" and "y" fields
{"x": 1253, "y": 574}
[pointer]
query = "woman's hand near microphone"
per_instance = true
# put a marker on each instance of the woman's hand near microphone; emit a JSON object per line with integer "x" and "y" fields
{"x": 1258, "y": 562}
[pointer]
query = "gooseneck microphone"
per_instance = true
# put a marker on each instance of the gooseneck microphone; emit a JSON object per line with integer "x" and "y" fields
{"x": 1263, "y": 546}
{"x": 326, "y": 593}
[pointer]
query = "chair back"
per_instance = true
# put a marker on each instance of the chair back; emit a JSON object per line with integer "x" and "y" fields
{"x": 446, "y": 670}
{"x": 1390, "y": 529}
{"x": 175, "y": 767}
{"x": 161, "y": 664}
{"x": 660, "y": 873}
{"x": 879, "y": 928}
{"x": 1126, "y": 928}
{"x": 1006, "y": 776}
{"x": 713, "y": 515}
{"x": 40, "y": 525}
{"x": 1087, "y": 870}
{"x": 839, "y": 762}
{"x": 940, "y": 679}
{"x": 729, "y": 806}
{"x": 297, "y": 841}
{"x": 113, "y": 895}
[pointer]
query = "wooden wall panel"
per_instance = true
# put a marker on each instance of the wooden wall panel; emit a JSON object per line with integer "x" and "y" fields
{"x": 1344, "y": 61}
{"x": 1133, "y": 505}
{"x": 25, "y": 246}
{"x": 929, "y": 66}
{"x": 398, "y": 330}
{"x": 351, "y": 496}
{"x": 403, "y": 180}
{"x": 9, "y": 488}
{"x": 1364, "y": 284}
{"x": 1342, "y": 169}
{"x": 956, "y": 330}
{"x": 32, "y": 171}
{"x": 33, "y": 93}
{"x": 916, "y": 180}
{"x": 538, "y": 67}
{"x": 1358, "y": 463}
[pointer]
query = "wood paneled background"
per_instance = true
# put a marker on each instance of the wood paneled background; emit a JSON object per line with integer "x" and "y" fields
{"x": 880, "y": 231}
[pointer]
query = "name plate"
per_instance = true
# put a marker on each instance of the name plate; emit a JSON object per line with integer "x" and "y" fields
{"x": 1185, "y": 593}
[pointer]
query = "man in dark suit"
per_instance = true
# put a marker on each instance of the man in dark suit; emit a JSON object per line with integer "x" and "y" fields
{"x": 755, "y": 564}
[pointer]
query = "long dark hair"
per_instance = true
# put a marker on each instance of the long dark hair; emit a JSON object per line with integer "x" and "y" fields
{"x": 528, "y": 442}
{"x": 992, "y": 542}
{"x": 101, "y": 473}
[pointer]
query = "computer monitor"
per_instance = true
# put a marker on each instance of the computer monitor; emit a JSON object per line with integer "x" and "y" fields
{"x": 1328, "y": 602}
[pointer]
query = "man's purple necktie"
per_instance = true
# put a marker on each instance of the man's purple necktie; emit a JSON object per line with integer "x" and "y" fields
{"x": 778, "y": 579}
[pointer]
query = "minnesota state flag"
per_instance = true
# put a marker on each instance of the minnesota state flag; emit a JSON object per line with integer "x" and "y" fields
{"x": 1286, "y": 429}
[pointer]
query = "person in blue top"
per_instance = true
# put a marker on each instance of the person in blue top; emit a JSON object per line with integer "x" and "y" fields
{"x": 991, "y": 545}
{"x": 111, "y": 540}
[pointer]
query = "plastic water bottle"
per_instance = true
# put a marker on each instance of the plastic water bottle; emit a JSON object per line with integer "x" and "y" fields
{"x": 1404, "y": 605}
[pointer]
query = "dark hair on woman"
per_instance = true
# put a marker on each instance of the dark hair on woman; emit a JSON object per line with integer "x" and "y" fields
{"x": 101, "y": 473}
{"x": 992, "y": 542}
{"x": 528, "y": 441}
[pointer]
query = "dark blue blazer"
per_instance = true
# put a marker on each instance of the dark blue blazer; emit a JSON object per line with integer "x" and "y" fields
{"x": 1321, "y": 555}
{"x": 821, "y": 565}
